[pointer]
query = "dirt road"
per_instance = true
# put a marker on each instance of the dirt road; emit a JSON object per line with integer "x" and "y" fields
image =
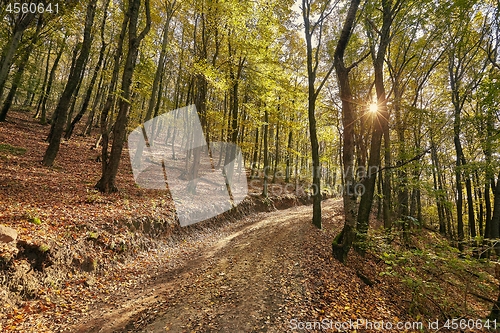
{"x": 245, "y": 282}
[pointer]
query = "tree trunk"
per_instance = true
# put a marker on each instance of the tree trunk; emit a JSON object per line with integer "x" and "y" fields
{"x": 46, "y": 93}
{"x": 387, "y": 181}
{"x": 343, "y": 242}
{"x": 487, "y": 204}
{"x": 266, "y": 152}
{"x": 98, "y": 98}
{"x": 313, "y": 92}
{"x": 110, "y": 100}
{"x": 380, "y": 124}
{"x": 495, "y": 220}
{"x": 254, "y": 170}
{"x": 90, "y": 88}
{"x": 156, "y": 81}
{"x": 73, "y": 81}
{"x": 107, "y": 182}
{"x": 20, "y": 71}
{"x": 276, "y": 154}
{"x": 288, "y": 156}
{"x": 438, "y": 188}
{"x": 44, "y": 83}
{"x": 22, "y": 22}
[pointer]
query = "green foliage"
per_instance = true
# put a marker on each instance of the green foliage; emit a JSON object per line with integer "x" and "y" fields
{"x": 32, "y": 216}
{"x": 93, "y": 235}
{"x": 430, "y": 268}
{"x": 93, "y": 196}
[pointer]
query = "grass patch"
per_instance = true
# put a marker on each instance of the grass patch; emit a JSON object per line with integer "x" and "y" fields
{"x": 6, "y": 148}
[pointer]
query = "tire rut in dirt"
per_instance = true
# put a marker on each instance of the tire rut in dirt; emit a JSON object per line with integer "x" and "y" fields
{"x": 241, "y": 288}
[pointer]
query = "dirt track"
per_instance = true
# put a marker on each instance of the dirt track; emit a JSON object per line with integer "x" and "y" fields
{"x": 242, "y": 283}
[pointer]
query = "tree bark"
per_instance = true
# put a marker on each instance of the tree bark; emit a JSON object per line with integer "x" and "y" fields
{"x": 344, "y": 240}
{"x": 313, "y": 92}
{"x": 276, "y": 154}
{"x": 156, "y": 81}
{"x": 90, "y": 88}
{"x": 266, "y": 152}
{"x": 288, "y": 156}
{"x": 254, "y": 169}
{"x": 22, "y": 23}
{"x": 495, "y": 220}
{"x": 46, "y": 93}
{"x": 20, "y": 71}
{"x": 44, "y": 83}
{"x": 73, "y": 81}
{"x": 380, "y": 125}
{"x": 107, "y": 182}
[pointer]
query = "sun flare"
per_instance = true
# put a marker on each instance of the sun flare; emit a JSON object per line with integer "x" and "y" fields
{"x": 373, "y": 107}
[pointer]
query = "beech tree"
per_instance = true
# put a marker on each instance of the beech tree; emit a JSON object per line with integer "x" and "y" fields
{"x": 314, "y": 29}
{"x": 110, "y": 167}
{"x": 344, "y": 240}
{"x": 73, "y": 81}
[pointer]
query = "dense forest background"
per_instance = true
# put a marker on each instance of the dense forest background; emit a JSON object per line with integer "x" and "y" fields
{"x": 392, "y": 105}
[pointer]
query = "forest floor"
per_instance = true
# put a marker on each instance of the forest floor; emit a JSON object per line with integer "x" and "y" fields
{"x": 88, "y": 262}
{"x": 271, "y": 270}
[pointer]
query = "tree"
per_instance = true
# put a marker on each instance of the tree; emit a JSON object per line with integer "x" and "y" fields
{"x": 313, "y": 63}
{"x": 23, "y": 61}
{"x": 381, "y": 116}
{"x": 466, "y": 71}
{"x": 19, "y": 23}
{"x": 170, "y": 8}
{"x": 107, "y": 181}
{"x": 74, "y": 78}
{"x": 344, "y": 240}
{"x": 88, "y": 94}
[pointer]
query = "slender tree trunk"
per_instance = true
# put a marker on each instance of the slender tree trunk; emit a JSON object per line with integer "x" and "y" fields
{"x": 387, "y": 181}
{"x": 46, "y": 93}
{"x": 107, "y": 181}
{"x": 487, "y": 204}
{"x": 90, "y": 88}
{"x": 288, "y": 156}
{"x": 470, "y": 203}
{"x": 495, "y": 220}
{"x": 489, "y": 181}
{"x": 73, "y": 81}
{"x": 98, "y": 97}
{"x": 478, "y": 196}
{"x": 73, "y": 103}
{"x": 380, "y": 125}
{"x": 20, "y": 71}
{"x": 312, "y": 54}
{"x": 438, "y": 189}
{"x": 156, "y": 81}
{"x": 21, "y": 24}
{"x": 110, "y": 100}
{"x": 276, "y": 154}
{"x": 266, "y": 152}
{"x": 44, "y": 83}
{"x": 254, "y": 171}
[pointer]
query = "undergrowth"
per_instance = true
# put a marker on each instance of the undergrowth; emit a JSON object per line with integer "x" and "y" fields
{"x": 439, "y": 277}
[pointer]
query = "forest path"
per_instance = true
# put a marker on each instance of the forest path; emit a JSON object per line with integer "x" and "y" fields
{"x": 242, "y": 283}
